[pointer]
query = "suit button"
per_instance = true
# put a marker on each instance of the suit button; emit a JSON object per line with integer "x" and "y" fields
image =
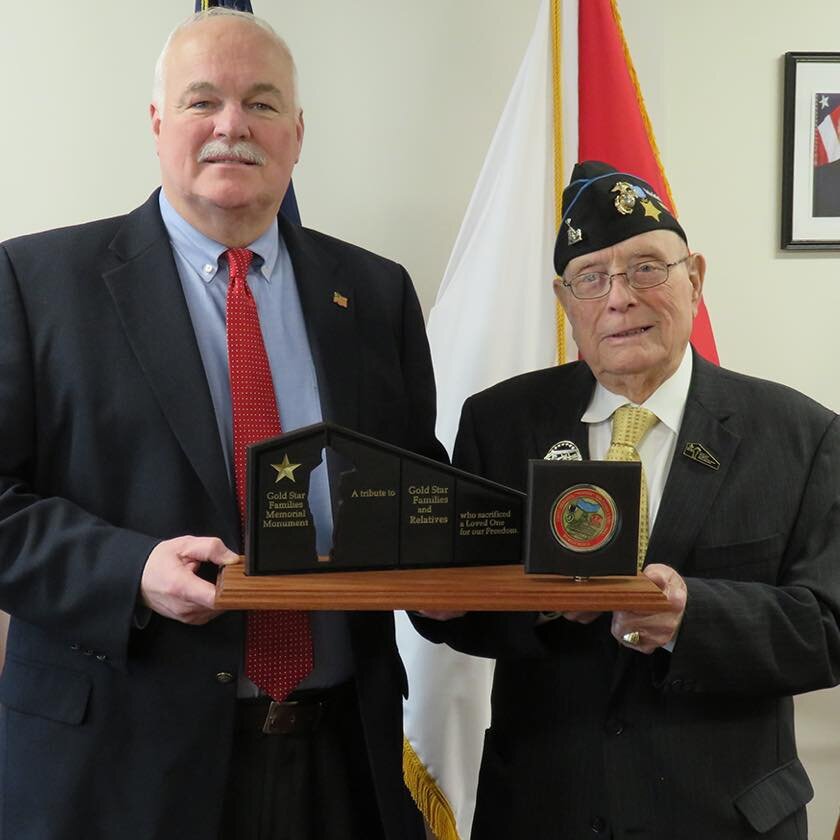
{"x": 614, "y": 726}
{"x": 224, "y": 677}
{"x": 676, "y": 685}
{"x": 598, "y": 825}
{"x": 101, "y": 657}
{"x": 87, "y": 652}
{"x": 75, "y": 646}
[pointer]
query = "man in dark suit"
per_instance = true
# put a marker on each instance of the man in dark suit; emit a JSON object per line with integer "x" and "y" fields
{"x": 126, "y": 709}
{"x": 677, "y": 724}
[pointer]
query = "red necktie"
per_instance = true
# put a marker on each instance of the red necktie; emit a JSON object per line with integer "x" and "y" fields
{"x": 278, "y": 645}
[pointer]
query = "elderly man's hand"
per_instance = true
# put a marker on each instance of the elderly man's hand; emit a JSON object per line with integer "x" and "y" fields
{"x": 656, "y": 629}
{"x": 170, "y": 585}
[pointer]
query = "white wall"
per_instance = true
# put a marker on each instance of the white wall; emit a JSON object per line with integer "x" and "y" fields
{"x": 400, "y": 102}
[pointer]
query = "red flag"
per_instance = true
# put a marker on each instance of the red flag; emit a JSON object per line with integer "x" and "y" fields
{"x": 613, "y": 124}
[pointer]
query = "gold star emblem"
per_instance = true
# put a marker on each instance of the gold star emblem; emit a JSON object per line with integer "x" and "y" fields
{"x": 651, "y": 209}
{"x": 285, "y": 469}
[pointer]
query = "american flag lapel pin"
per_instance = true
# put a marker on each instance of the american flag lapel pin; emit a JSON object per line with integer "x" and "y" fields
{"x": 340, "y": 300}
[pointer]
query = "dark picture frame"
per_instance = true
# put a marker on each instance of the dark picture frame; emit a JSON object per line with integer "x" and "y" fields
{"x": 810, "y": 172}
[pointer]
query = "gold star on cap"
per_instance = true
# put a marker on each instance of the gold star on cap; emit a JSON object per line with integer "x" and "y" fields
{"x": 651, "y": 209}
{"x": 285, "y": 469}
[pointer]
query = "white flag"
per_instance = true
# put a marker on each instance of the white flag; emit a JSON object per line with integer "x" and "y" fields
{"x": 494, "y": 317}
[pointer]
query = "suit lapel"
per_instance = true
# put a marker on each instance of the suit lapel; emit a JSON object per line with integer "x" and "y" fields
{"x": 692, "y": 486}
{"x": 329, "y": 304}
{"x": 148, "y": 297}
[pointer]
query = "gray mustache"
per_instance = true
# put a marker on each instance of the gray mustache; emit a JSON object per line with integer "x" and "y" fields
{"x": 242, "y": 151}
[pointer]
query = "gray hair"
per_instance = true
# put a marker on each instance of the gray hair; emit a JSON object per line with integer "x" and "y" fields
{"x": 159, "y": 85}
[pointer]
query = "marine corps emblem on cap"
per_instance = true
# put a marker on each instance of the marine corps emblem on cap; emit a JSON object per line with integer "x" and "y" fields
{"x": 625, "y": 201}
{"x": 584, "y": 518}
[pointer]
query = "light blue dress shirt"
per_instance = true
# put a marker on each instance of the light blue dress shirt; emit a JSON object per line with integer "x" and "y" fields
{"x": 204, "y": 278}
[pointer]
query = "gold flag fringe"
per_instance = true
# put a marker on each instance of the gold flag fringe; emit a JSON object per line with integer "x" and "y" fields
{"x": 430, "y": 799}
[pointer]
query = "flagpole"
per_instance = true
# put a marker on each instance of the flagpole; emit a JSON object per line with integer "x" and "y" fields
{"x": 559, "y": 169}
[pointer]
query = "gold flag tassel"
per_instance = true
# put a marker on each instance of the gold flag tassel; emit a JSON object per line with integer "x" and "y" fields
{"x": 430, "y": 799}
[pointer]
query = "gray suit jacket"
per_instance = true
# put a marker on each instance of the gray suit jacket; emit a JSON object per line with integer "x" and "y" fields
{"x": 592, "y": 739}
{"x": 109, "y": 444}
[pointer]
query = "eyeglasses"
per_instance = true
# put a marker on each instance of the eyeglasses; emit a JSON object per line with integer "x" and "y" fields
{"x": 645, "y": 275}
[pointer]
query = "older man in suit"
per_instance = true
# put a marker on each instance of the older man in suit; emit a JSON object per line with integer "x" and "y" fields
{"x": 138, "y": 357}
{"x": 677, "y": 724}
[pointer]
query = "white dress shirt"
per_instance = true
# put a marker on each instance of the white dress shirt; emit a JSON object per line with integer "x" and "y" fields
{"x": 657, "y": 447}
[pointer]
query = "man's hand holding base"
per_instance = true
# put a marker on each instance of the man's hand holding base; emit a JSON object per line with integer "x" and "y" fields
{"x": 170, "y": 584}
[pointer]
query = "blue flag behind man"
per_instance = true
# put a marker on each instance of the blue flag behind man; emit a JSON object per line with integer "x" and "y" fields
{"x": 239, "y": 5}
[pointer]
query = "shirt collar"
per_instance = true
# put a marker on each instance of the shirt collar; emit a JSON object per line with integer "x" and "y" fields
{"x": 202, "y": 253}
{"x": 667, "y": 402}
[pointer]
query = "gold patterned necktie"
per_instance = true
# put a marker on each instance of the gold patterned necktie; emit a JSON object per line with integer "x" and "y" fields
{"x": 630, "y": 424}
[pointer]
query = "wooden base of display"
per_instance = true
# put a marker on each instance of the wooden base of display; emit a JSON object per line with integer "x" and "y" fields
{"x": 469, "y": 588}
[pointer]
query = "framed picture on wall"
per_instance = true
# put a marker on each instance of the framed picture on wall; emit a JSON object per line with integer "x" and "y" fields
{"x": 811, "y": 152}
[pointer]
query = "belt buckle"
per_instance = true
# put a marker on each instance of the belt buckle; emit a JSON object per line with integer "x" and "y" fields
{"x": 281, "y": 718}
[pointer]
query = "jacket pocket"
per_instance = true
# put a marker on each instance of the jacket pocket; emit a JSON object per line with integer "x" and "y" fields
{"x": 46, "y": 691}
{"x": 757, "y": 560}
{"x": 778, "y": 795}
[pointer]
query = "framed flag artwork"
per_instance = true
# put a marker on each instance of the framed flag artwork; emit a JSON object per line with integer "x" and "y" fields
{"x": 811, "y": 152}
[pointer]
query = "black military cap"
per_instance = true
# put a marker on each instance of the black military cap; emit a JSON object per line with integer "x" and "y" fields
{"x": 602, "y": 206}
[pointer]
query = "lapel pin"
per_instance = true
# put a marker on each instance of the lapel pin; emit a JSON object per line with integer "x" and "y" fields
{"x": 575, "y": 234}
{"x": 698, "y": 452}
{"x": 651, "y": 209}
{"x": 340, "y": 300}
{"x": 564, "y": 450}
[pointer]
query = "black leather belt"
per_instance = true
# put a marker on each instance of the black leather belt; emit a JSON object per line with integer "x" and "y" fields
{"x": 301, "y": 714}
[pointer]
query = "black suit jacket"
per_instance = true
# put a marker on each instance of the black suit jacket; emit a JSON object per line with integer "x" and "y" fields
{"x": 109, "y": 444}
{"x": 591, "y": 739}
